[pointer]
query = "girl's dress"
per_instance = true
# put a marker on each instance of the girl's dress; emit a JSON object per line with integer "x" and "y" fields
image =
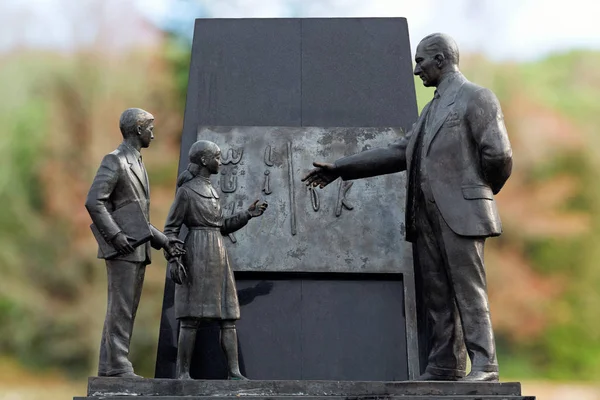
{"x": 209, "y": 290}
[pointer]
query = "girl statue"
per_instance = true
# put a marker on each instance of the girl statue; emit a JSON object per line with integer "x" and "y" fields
{"x": 205, "y": 284}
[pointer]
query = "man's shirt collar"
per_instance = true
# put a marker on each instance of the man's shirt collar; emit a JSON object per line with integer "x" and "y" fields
{"x": 136, "y": 153}
{"x": 446, "y": 82}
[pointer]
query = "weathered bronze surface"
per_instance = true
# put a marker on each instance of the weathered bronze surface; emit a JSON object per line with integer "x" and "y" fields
{"x": 350, "y": 227}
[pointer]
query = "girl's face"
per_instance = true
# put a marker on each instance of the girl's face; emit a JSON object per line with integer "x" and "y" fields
{"x": 213, "y": 161}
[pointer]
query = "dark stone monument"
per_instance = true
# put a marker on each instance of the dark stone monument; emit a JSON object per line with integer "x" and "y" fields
{"x": 333, "y": 312}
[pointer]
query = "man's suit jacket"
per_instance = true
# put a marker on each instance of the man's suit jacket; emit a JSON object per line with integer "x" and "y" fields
{"x": 120, "y": 180}
{"x": 467, "y": 159}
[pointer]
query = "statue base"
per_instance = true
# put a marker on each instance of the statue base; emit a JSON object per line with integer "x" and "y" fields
{"x": 172, "y": 389}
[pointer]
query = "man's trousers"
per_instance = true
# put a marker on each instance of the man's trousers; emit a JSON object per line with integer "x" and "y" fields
{"x": 125, "y": 281}
{"x": 454, "y": 288}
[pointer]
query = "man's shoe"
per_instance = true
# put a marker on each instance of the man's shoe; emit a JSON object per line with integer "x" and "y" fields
{"x": 428, "y": 376}
{"x": 481, "y": 376}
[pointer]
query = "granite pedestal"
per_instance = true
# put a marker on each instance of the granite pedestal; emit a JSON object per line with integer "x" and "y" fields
{"x": 170, "y": 389}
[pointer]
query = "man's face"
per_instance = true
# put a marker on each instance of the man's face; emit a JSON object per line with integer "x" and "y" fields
{"x": 147, "y": 133}
{"x": 426, "y": 66}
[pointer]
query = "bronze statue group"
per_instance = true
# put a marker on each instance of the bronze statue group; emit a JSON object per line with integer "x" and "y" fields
{"x": 457, "y": 157}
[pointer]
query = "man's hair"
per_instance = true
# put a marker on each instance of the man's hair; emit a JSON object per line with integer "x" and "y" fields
{"x": 131, "y": 119}
{"x": 443, "y": 43}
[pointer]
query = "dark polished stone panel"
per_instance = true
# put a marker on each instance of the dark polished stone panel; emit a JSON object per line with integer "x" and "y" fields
{"x": 326, "y": 328}
{"x": 298, "y": 326}
{"x": 357, "y": 72}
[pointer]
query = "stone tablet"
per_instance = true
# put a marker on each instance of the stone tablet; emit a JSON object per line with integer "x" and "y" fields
{"x": 348, "y": 227}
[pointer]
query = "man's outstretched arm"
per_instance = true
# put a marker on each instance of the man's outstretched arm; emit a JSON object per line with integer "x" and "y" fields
{"x": 374, "y": 162}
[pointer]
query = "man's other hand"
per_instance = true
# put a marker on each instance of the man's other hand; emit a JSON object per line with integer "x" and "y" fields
{"x": 121, "y": 243}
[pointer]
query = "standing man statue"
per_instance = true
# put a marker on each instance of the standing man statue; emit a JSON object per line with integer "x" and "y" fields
{"x": 120, "y": 180}
{"x": 457, "y": 156}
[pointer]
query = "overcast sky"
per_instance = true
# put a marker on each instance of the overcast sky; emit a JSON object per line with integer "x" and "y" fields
{"x": 501, "y": 29}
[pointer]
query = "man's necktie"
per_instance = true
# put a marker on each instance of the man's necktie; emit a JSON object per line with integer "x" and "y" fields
{"x": 432, "y": 109}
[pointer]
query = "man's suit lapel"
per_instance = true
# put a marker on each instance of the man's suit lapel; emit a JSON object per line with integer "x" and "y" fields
{"x": 443, "y": 110}
{"x": 134, "y": 166}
